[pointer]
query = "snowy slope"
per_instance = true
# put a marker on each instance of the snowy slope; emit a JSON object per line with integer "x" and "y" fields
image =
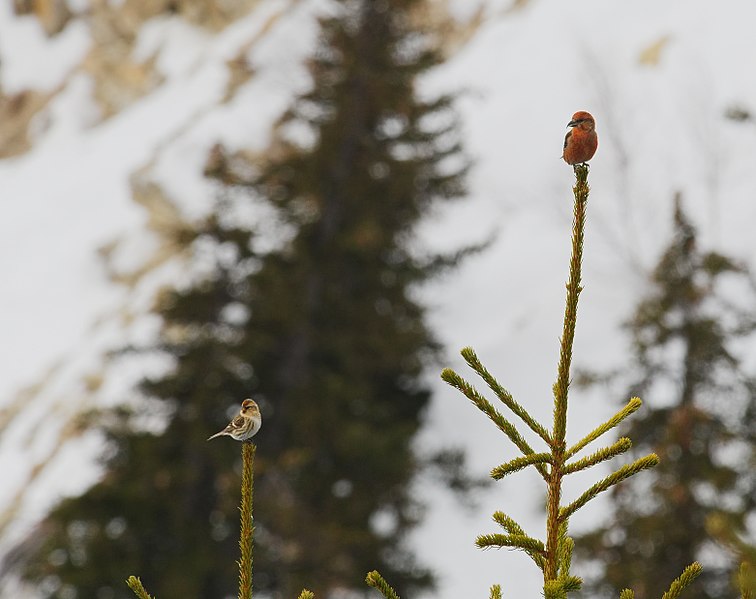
{"x": 657, "y": 77}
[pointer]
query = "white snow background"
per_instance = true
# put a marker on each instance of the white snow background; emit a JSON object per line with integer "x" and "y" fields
{"x": 662, "y": 130}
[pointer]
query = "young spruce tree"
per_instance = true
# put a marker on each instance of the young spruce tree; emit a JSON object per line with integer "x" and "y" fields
{"x": 699, "y": 420}
{"x": 323, "y": 332}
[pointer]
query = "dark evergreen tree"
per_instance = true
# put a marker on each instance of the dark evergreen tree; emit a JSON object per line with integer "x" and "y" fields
{"x": 699, "y": 419}
{"x": 323, "y": 331}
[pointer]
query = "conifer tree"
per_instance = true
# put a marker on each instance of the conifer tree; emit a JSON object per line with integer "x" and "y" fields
{"x": 322, "y": 330}
{"x": 700, "y": 421}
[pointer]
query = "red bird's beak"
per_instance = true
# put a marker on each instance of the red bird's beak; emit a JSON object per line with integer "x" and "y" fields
{"x": 572, "y": 123}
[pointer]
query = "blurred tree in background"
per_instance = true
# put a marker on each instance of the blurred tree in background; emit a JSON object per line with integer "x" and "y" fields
{"x": 312, "y": 316}
{"x": 701, "y": 421}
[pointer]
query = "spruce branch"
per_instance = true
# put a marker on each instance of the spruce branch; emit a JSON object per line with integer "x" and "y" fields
{"x": 375, "y": 580}
{"x": 529, "y": 545}
{"x": 561, "y": 386}
{"x": 247, "y": 526}
{"x": 624, "y": 472}
{"x": 565, "y": 548}
{"x": 456, "y": 381}
{"x": 519, "y": 463}
{"x": 607, "y": 453}
{"x": 570, "y": 584}
{"x": 468, "y": 353}
{"x": 514, "y": 530}
{"x": 552, "y": 589}
{"x": 627, "y": 594}
{"x": 678, "y": 585}
{"x": 631, "y": 407}
{"x": 508, "y": 524}
{"x": 136, "y": 585}
{"x": 558, "y": 589}
{"x": 746, "y": 581}
{"x": 495, "y": 592}
{"x": 305, "y": 594}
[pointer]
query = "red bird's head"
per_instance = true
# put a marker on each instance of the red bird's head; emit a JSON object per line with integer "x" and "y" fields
{"x": 583, "y": 120}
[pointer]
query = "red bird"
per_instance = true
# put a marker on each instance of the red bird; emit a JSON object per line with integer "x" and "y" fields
{"x": 581, "y": 142}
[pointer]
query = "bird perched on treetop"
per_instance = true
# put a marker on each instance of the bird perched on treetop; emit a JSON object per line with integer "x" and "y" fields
{"x": 244, "y": 426}
{"x": 581, "y": 142}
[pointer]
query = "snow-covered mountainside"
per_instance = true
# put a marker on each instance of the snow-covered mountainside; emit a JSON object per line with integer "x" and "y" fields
{"x": 109, "y": 110}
